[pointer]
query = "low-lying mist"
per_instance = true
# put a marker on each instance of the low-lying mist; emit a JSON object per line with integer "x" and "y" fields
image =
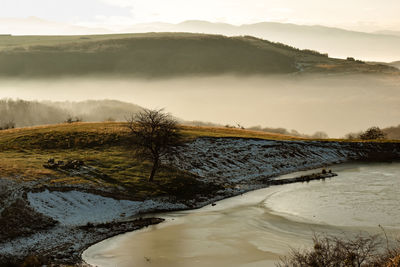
{"x": 22, "y": 113}
{"x": 334, "y": 104}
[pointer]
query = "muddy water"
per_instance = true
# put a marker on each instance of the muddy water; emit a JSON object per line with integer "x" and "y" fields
{"x": 257, "y": 228}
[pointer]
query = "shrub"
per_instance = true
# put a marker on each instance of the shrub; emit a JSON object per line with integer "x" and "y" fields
{"x": 7, "y": 125}
{"x": 70, "y": 119}
{"x": 336, "y": 252}
{"x": 372, "y": 134}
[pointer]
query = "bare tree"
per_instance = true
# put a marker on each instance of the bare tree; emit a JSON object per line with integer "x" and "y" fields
{"x": 155, "y": 134}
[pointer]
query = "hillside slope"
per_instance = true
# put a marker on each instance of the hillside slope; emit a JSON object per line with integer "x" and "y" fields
{"x": 163, "y": 55}
{"x": 381, "y": 46}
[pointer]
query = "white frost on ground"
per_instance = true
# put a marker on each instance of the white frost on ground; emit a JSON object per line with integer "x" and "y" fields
{"x": 72, "y": 209}
{"x": 57, "y": 235}
{"x": 79, "y": 208}
{"x": 243, "y": 160}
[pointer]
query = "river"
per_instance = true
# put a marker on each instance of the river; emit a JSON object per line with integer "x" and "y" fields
{"x": 259, "y": 227}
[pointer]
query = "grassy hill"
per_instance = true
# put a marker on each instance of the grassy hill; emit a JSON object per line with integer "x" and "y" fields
{"x": 105, "y": 147}
{"x": 162, "y": 55}
{"x": 89, "y": 135}
{"x": 335, "y": 41}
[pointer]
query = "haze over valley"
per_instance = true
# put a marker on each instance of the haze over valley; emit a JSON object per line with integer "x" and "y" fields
{"x": 336, "y": 105}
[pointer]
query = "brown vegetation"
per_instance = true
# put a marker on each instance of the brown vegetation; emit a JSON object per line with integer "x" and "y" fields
{"x": 361, "y": 251}
{"x": 19, "y": 219}
{"x": 373, "y": 133}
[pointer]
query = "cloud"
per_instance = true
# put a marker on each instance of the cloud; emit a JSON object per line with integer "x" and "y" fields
{"x": 283, "y": 10}
{"x": 108, "y": 22}
{"x": 120, "y": 3}
{"x": 60, "y": 10}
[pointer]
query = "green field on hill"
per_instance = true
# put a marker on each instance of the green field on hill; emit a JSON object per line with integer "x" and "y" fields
{"x": 163, "y": 55}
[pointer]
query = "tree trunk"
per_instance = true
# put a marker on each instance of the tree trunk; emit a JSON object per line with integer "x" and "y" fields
{"x": 153, "y": 170}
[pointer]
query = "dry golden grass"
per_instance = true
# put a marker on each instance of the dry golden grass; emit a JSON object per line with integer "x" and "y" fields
{"x": 198, "y": 131}
{"x": 82, "y": 135}
{"x": 102, "y": 146}
{"x": 105, "y": 134}
{"x": 394, "y": 262}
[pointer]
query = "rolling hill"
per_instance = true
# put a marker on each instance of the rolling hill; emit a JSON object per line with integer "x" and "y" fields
{"x": 163, "y": 55}
{"x": 379, "y": 46}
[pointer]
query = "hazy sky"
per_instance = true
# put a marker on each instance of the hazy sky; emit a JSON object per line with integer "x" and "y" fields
{"x": 365, "y": 15}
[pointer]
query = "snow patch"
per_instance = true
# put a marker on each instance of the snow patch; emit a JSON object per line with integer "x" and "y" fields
{"x": 78, "y": 208}
{"x": 244, "y": 160}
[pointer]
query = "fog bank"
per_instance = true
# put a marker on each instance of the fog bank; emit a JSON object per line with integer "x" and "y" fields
{"x": 334, "y": 104}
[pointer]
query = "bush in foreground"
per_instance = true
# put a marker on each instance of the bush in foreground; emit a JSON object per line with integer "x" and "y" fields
{"x": 337, "y": 252}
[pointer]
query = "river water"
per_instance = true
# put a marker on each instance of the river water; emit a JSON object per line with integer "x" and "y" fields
{"x": 257, "y": 228}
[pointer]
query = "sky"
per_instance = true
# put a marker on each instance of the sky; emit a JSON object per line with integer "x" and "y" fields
{"x": 363, "y": 15}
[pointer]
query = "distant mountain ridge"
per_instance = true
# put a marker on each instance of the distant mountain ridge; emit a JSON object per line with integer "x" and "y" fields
{"x": 381, "y": 46}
